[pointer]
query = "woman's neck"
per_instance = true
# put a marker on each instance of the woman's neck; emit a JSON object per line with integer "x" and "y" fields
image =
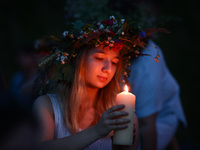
{"x": 86, "y": 110}
{"x": 91, "y": 95}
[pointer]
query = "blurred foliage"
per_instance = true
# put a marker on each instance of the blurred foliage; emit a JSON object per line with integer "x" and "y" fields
{"x": 146, "y": 13}
{"x": 87, "y": 9}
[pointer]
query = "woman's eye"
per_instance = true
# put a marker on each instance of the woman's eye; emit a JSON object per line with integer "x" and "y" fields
{"x": 114, "y": 63}
{"x": 99, "y": 58}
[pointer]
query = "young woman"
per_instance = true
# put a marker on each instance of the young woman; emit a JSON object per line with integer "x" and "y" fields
{"x": 82, "y": 113}
{"x": 88, "y": 107}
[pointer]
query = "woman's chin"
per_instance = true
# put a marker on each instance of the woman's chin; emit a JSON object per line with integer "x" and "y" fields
{"x": 98, "y": 85}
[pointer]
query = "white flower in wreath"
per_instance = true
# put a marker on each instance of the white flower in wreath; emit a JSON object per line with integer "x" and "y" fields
{"x": 115, "y": 23}
{"x": 98, "y": 23}
{"x": 58, "y": 58}
{"x": 112, "y": 17}
{"x": 107, "y": 30}
{"x": 101, "y": 26}
{"x": 122, "y": 21}
{"x": 65, "y": 33}
{"x": 63, "y": 58}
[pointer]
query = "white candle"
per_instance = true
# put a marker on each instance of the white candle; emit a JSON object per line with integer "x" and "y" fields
{"x": 125, "y": 136}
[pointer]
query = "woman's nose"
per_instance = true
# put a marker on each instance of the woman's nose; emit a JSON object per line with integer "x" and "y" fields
{"x": 107, "y": 66}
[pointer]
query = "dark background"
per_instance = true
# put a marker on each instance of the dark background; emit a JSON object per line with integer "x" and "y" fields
{"x": 24, "y": 21}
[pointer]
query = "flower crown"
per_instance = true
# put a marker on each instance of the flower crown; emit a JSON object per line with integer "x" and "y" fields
{"x": 121, "y": 36}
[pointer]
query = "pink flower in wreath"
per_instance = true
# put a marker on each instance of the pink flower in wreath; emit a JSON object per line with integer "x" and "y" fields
{"x": 117, "y": 46}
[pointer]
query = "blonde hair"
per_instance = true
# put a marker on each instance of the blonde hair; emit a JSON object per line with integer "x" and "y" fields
{"x": 71, "y": 94}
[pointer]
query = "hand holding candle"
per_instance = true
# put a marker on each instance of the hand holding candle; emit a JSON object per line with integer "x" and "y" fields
{"x": 125, "y": 136}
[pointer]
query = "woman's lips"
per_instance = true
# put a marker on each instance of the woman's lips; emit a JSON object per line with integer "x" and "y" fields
{"x": 102, "y": 79}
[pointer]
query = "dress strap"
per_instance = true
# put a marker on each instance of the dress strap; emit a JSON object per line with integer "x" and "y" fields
{"x": 56, "y": 110}
{"x": 60, "y": 126}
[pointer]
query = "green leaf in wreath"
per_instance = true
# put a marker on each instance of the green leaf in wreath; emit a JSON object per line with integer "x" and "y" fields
{"x": 68, "y": 72}
{"x": 78, "y": 25}
{"x": 57, "y": 74}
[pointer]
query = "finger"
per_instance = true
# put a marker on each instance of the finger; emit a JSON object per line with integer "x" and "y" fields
{"x": 116, "y": 114}
{"x": 134, "y": 128}
{"x": 118, "y": 127}
{"x": 114, "y": 108}
{"x": 118, "y": 121}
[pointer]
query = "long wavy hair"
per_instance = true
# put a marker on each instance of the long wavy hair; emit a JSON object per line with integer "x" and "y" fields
{"x": 72, "y": 93}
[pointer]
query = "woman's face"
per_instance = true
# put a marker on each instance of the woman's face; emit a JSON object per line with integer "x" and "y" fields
{"x": 101, "y": 66}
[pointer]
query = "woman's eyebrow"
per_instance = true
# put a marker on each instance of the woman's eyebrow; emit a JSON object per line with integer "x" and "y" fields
{"x": 99, "y": 51}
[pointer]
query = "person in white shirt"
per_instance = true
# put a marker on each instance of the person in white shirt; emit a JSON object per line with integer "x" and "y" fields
{"x": 158, "y": 103}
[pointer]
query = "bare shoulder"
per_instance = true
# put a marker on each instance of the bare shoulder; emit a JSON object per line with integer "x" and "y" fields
{"x": 43, "y": 103}
{"x": 43, "y": 110}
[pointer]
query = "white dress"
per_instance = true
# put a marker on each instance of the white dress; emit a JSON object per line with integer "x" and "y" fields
{"x": 61, "y": 130}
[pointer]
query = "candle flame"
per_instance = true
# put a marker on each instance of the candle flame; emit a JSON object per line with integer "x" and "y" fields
{"x": 126, "y": 88}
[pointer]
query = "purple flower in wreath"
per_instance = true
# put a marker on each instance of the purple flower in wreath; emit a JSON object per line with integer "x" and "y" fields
{"x": 117, "y": 40}
{"x": 142, "y": 34}
{"x": 107, "y": 22}
{"x": 110, "y": 22}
